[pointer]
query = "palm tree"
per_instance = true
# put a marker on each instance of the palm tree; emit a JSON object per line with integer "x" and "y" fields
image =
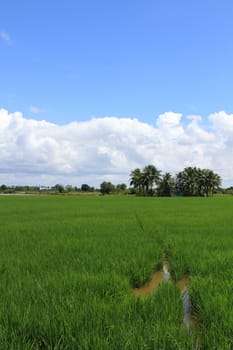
{"x": 197, "y": 182}
{"x": 186, "y": 181}
{"x": 136, "y": 179}
{"x": 200, "y": 182}
{"x": 212, "y": 181}
{"x": 166, "y": 185}
{"x": 151, "y": 177}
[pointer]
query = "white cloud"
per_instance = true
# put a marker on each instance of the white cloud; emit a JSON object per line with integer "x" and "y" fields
{"x": 222, "y": 121}
{"x": 169, "y": 119}
{"x": 5, "y": 37}
{"x": 39, "y": 152}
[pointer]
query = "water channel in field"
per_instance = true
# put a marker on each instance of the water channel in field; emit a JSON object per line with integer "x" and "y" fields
{"x": 164, "y": 275}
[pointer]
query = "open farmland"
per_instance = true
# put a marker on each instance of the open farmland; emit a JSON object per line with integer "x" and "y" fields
{"x": 68, "y": 267}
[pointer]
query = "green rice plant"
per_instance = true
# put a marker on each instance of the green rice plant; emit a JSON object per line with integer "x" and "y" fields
{"x": 68, "y": 266}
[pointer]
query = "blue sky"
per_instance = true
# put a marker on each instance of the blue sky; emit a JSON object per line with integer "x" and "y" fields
{"x": 72, "y": 60}
{"x": 90, "y": 90}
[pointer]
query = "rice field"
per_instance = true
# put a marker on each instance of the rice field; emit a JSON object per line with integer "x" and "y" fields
{"x": 69, "y": 265}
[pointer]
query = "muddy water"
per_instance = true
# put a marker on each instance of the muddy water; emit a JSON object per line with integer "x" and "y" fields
{"x": 151, "y": 286}
{"x": 164, "y": 275}
{"x": 183, "y": 284}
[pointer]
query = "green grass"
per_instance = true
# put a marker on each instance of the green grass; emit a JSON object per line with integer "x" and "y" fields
{"x": 68, "y": 266}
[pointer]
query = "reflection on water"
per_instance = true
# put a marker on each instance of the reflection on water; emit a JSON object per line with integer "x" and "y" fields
{"x": 186, "y": 308}
{"x": 189, "y": 321}
{"x": 166, "y": 273}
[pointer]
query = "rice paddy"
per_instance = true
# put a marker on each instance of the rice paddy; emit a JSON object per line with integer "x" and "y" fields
{"x": 69, "y": 266}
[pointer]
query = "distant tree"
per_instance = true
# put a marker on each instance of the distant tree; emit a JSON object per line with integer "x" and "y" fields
{"x": 197, "y": 182}
{"x": 136, "y": 179}
{"x": 191, "y": 181}
{"x": 85, "y": 188}
{"x": 144, "y": 180}
{"x": 187, "y": 181}
{"x": 107, "y": 187}
{"x": 150, "y": 177}
{"x": 69, "y": 188}
{"x": 166, "y": 185}
{"x": 59, "y": 188}
{"x": 211, "y": 182}
{"x": 3, "y": 188}
{"x": 121, "y": 187}
{"x": 228, "y": 190}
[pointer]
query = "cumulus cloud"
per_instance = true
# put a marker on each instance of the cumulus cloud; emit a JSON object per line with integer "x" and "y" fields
{"x": 5, "y": 37}
{"x": 39, "y": 152}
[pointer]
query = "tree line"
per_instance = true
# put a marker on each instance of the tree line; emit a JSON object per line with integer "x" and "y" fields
{"x": 149, "y": 181}
{"x": 191, "y": 181}
{"x": 106, "y": 187}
